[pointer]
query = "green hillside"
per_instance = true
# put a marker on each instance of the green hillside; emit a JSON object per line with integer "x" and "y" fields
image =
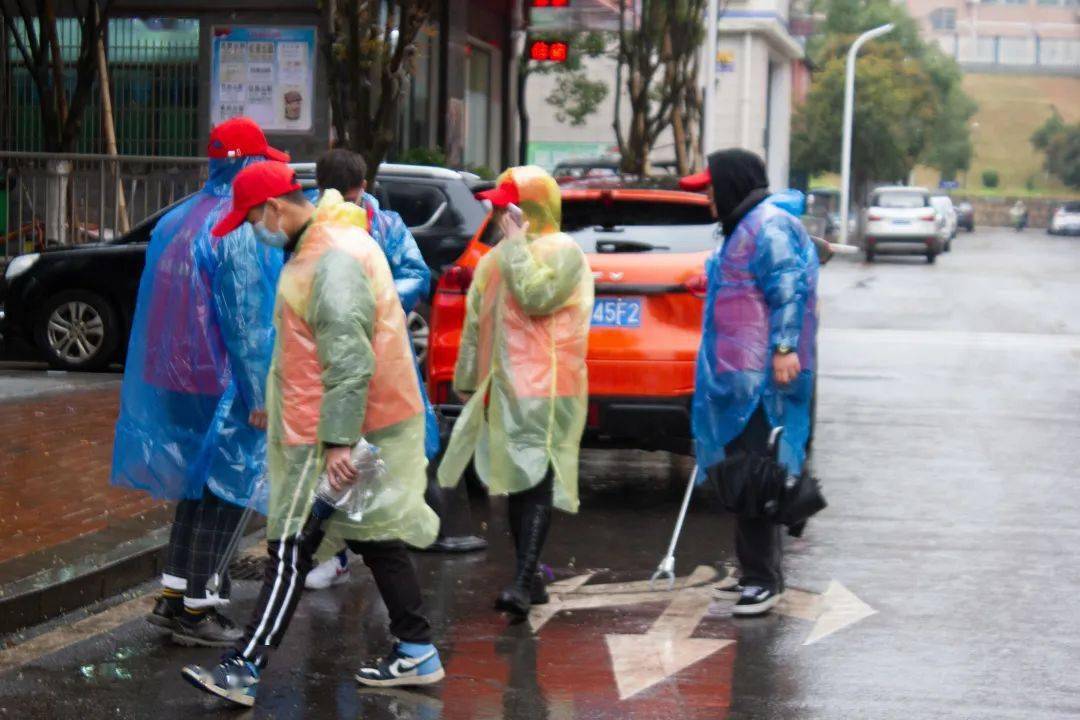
{"x": 1011, "y": 107}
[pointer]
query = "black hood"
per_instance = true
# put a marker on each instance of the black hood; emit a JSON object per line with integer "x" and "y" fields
{"x": 739, "y": 183}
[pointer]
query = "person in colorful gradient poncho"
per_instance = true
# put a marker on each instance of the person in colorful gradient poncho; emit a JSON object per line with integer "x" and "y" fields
{"x": 522, "y": 367}
{"x": 342, "y": 370}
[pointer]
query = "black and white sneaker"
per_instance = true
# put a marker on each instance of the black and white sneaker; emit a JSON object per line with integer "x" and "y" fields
{"x": 755, "y": 601}
{"x": 208, "y": 629}
{"x": 407, "y": 664}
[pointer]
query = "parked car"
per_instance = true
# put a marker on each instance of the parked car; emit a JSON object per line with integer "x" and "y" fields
{"x": 946, "y": 219}
{"x": 94, "y": 286}
{"x": 965, "y": 215}
{"x": 1065, "y": 220}
{"x": 647, "y": 250}
{"x": 901, "y": 220}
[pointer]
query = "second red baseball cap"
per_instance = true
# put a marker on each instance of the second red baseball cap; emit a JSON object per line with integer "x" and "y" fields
{"x": 501, "y": 195}
{"x": 253, "y": 186}
{"x": 696, "y": 182}
{"x": 241, "y": 137}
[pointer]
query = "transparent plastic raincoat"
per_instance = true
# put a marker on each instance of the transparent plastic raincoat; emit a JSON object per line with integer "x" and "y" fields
{"x": 198, "y": 354}
{"x": 522, "y": 355}
{"x": 412, "y": 278}
{"x": 762, "y": 294}
{"x": 343, "y": 369}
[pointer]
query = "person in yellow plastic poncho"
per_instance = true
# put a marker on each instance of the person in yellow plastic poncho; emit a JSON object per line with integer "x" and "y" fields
{"x": 522, "y": 361}
{"x": 342, "y": 370}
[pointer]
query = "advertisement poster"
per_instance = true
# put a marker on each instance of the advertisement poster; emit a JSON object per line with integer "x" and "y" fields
{"x": 266, "y": 73}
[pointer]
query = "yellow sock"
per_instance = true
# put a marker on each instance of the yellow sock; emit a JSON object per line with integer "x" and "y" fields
{"x": 170, "y": 593}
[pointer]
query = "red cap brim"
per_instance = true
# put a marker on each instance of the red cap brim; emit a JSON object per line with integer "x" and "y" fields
{"x": 500, "y": 196}
{"x": 275, "y": 154}
{"x": 696, "y": 182}
{"x": 234, "y": 219}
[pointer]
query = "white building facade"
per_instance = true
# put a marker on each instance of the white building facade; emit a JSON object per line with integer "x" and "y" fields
{"x": 753, "y": 96}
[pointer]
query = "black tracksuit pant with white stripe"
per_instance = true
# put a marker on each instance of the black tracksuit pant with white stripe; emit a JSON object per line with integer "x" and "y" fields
{"x": 288, "y": 564}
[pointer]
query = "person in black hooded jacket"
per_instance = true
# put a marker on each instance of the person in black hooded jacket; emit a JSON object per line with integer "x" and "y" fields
{"x": 755, "y": 369}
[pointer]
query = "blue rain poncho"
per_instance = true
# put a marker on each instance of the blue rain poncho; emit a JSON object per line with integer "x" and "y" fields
{"x": 412, "y": 279}
{"x": 198, "y": 354}
{"x": 762, "y": 294}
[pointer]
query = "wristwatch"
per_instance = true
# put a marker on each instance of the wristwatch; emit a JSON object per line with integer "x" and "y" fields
{"x": 784, "y": 349}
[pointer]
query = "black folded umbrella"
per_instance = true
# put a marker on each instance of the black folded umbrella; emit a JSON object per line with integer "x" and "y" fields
{"x": 758, "y": 486}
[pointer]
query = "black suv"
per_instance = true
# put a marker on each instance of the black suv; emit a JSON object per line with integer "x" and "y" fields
{"x": 73, "y": 306}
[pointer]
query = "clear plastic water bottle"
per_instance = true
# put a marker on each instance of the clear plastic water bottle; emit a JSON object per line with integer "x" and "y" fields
{"x": 355, "y": 499}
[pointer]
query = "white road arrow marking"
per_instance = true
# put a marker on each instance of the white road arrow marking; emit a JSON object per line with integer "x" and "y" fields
{"x": 573, "y": 594}
{"x": 834, "y": 610}
{"x": 641, "y": 661}
{"x": 840, "y": 608}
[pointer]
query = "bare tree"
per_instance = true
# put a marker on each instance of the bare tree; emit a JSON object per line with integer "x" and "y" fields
{"x": 658, "y": 55}
{"x": 32, "y": 27}
{"x": 369, "y": 64}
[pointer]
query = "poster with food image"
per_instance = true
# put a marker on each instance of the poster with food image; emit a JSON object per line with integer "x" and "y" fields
{"x": 265, "y": 73}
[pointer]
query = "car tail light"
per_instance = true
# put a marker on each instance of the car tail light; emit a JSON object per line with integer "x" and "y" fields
{"x": 456, "y": 280}
{"x": 875, "y": 216}
{"x": 927, "y": 215}
{"x": 442, "y": 393}
{"x": 698, "y": 285}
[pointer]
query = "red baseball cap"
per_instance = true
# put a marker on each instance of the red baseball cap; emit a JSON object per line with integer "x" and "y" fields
{"x": 501, "y": 195}
{"x": 696, "y": 182}
{"x": 241, "y": 137}
{"x": 253, "y": 186}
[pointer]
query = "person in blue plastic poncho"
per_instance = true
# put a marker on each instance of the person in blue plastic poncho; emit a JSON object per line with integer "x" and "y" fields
{"x": 755, "y": 367}
{"x": 194, "y": 380}
{"x": 345, "y": 171}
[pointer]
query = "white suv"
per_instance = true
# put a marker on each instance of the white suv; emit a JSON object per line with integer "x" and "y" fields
{"x": 902, "y": 220}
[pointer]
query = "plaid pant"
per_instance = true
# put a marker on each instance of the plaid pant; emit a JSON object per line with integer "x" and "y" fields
{"x": 200, "y": 533}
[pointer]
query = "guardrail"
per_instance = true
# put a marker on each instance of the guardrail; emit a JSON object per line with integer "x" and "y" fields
{"x": 56, "y": 199}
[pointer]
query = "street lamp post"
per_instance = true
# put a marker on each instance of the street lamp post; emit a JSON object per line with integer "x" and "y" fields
{"x": 708, "y": 121}
{"x": 849, "y": 109}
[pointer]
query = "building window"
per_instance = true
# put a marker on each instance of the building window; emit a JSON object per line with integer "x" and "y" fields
{"x": 478, "y": 101}
{"x": 1016, "y": 2}
{"x": 1049, "y": 2}
{"x": 943, "y": 19}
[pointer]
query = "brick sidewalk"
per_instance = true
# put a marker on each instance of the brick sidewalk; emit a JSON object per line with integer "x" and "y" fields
{"x": 54, "y": 473}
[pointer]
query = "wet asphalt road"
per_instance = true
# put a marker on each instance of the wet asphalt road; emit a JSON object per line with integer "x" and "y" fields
{"x": 947, "y": 442}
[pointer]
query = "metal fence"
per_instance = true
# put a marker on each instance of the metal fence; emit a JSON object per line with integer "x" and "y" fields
{"x": 153, "y": 77}
{"x": 50, "y": 199}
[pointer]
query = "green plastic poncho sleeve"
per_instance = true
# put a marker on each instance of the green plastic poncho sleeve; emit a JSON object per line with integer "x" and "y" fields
{"x": 466, "y": 369}
{"x": 540, "y": 285}
{"x": 342, "y": 315}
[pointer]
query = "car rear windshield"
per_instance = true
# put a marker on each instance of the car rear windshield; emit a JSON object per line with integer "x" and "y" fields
{"x": 899, "y": 199}
{"x": 1072, "y": 207}
{"x": 647, "y": 238}
{"x": 632, "y": 226}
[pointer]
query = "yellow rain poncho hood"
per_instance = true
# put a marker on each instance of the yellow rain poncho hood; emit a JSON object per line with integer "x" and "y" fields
{"x": 343, "y": 369}
{"x": 522, "y": 354}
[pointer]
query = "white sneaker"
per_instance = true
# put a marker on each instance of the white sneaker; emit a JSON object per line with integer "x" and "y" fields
{"x": 327, "y": 574}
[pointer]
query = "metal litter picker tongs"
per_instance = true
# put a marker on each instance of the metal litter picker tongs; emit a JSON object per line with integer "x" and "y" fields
{"x": 666, "y": 568}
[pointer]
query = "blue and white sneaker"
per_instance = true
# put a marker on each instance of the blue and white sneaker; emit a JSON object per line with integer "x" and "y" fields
{"x": 234, "y": 679}
{"x": 407, "y": 664}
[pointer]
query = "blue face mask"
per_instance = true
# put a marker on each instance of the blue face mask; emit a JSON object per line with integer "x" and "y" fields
{"x": 273, "y": 238}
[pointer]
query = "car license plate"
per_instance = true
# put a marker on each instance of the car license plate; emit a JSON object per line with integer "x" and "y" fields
{"x": 901, "y": 222}
{"x": 616, "y": 312}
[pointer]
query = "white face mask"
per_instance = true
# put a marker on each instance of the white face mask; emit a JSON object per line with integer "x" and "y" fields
{"x": 273, "y": 238}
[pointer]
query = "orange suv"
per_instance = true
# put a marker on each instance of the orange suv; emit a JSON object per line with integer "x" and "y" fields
{"x": 647, "y": 250}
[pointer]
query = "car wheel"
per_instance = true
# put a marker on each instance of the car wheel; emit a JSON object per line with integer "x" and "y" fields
{"x": 77, "y": 330}
{"x": 419, "y": 332}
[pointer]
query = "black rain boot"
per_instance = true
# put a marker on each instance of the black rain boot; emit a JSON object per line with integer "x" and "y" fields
{"x": 516, "y": 599}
